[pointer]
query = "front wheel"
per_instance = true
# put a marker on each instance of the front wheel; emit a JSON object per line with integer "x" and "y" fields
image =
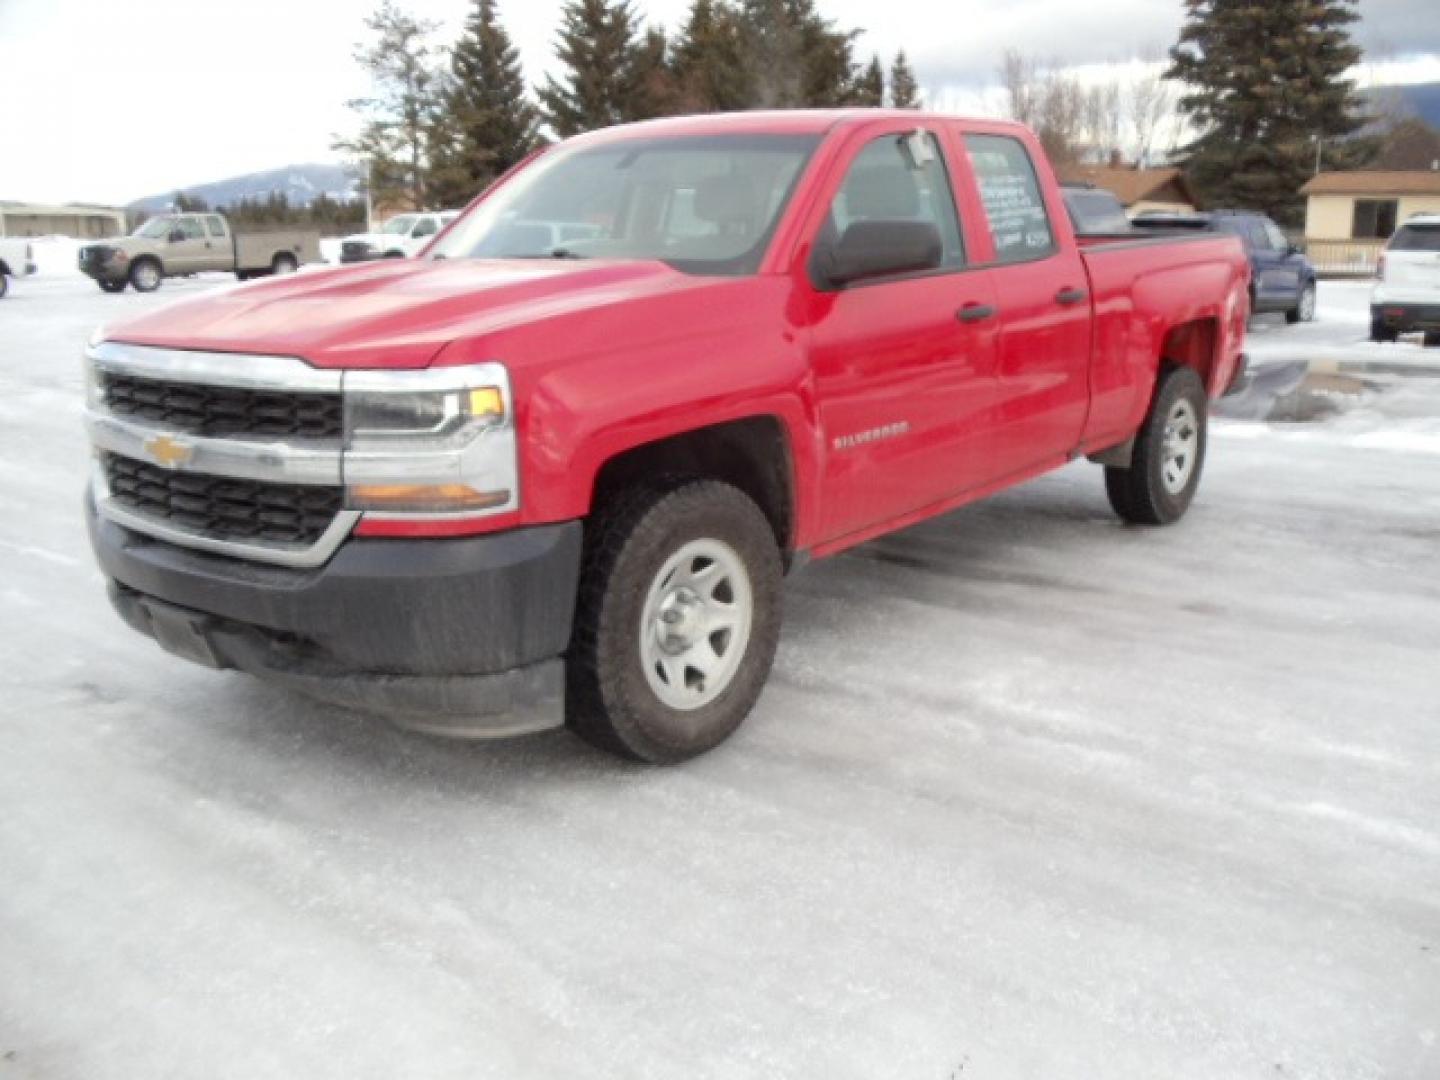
{"x": 1304, "y": 309}
{"x": 1379, "y": 332}
{"x": 1168, "y": 456}
{"x": 145, "y": 275}
{"x": 114, "y": 286}
{"x": 678, "y": 621}
{"x": 4, "y": 284}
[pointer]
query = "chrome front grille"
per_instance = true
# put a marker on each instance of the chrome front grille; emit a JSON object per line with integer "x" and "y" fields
{"x": 222, "y": 410}
{"x": 234, "y": 454}
{"x": 222, "y": 507}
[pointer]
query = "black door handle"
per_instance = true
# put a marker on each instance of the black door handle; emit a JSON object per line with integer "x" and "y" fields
{"x": 1070, "y": 296}
{"x": 972, "y": 313}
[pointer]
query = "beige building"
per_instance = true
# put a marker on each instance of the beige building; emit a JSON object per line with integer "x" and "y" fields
{"x": 1350, "y": 215}
{"x": 1138, "y": 190}
{"x": 81, "y": 222}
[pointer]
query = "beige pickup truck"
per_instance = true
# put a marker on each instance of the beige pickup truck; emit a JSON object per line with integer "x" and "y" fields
{"x": 172, "y": 245}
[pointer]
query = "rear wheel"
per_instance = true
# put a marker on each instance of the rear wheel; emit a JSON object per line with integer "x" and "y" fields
{"x": 1304, "y": 310}
{"x": 678, "y": 621}
{"x": 1168, "y": 457}
{"x": 114, "y": 286}
{"x": 145, "y": 275}
{"x": 284, "y": 264}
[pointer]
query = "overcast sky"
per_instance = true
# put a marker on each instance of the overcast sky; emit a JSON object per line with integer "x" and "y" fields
{"x": 110, "y": 100}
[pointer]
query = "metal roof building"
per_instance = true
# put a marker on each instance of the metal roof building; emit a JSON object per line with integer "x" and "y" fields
{"x": 80, "y": 221}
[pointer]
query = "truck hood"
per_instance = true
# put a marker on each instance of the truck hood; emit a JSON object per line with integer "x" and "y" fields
{"x": 394, "y": 313}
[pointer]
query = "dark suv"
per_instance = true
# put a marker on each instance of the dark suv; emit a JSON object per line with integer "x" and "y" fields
{"x": 1283, "y": 279}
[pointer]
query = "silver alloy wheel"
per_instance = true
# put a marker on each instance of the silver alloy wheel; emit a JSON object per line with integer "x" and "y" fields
{"x": 147, "y": 275}
{"x": 695, "y": 625}
{"x": 1179, "y": 447}
{"x": 1307, "y": 304}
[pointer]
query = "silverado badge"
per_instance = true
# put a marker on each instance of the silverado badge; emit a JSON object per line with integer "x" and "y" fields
{"x": 168, "y": 452}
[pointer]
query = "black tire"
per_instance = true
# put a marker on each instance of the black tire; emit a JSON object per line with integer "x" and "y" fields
{"x": 1379, "y": 332}
{"x": 393, "y": 255}
{"x": 1140, "y": 494}
{"x": 114, "y": 286}
{"x": 4, "y": 284}
{"x": 609, "y": 698}
{"x": 1304, "y": 309}
{"x": 140, "y": 280}
{"x": 283, "y": 264}
{"x": 1432, "y": 339}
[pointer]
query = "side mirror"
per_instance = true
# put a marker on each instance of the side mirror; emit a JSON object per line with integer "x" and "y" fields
{"x": 872, "y": 249}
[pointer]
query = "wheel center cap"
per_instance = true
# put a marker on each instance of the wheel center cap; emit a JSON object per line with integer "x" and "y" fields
{"x": 681, "y": 616}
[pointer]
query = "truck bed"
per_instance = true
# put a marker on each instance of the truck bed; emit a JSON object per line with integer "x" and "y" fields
{"x": 1141, "y": 282}
{"x": 257, "y": 250}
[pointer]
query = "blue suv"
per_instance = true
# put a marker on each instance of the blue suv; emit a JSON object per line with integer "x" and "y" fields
{"x": 1282, "y": 278}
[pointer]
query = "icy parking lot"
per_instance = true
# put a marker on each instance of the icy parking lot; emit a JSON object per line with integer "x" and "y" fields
{"x": 1030, "y": 795}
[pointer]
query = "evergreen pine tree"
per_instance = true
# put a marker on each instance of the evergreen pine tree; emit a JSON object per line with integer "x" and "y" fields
{"x": 654, "y": 90}
{"x": 904, "y": 91}
{"x": 708, "y": 60}
{"x": 870, "y": 87}
{"x": 598, "y": 47}
{"x": 794, "y": 57}
{"x": 1265, "y": 84}
{"x": 487, "y": 124}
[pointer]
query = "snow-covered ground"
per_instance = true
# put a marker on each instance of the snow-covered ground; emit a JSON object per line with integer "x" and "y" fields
{"x": 1030, "y": 795}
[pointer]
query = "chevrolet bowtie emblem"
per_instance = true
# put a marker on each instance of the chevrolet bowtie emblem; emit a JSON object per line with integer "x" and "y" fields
{"x": 168, "y": 452}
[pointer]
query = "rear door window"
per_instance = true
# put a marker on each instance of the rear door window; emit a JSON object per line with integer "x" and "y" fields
{"x": 1014, "y": 205}
{"x": 216, "y": 227}
{"x": 190, "y": 228}
{"x": 1417, "y": 238}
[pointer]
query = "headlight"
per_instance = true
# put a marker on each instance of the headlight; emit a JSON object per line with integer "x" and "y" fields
{"x": 439, "y": 442}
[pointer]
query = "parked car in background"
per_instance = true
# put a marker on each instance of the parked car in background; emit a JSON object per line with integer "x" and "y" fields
{"x": 1282, "y": 278}
{"x": 552, "y": 470}
{"x": 1407, "y": 296}
{"x": 399, "y": 238}
{"x": 176, "y": 245}
{"x": 1095, "y": 211}
{"x": 17, "y": 259}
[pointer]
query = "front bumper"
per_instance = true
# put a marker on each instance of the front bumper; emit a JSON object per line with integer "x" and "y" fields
{"x": 456, "y": 636}
{"x": 1404, "y": 317}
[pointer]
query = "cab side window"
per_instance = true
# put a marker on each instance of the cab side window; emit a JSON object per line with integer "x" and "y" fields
{"x": 190, "y": 228}
{"x": 1014, "y": 205}
{"x": 425, "y": 227}
{"x": 899, "y": 177}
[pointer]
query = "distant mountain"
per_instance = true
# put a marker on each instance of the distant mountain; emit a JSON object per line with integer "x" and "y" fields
{"x": 299, "y": 183}
{"x": 1419, "y": 99}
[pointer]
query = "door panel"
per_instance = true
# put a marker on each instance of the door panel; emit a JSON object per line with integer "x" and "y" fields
{"x": 186, "y": 255}
{"x": 1043, "y": 365}
{"x": 903, "y": 381}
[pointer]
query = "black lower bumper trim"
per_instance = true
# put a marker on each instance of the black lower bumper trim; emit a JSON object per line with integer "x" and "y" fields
{"x": 1403, "y": 318}
{"x": 515, "y": 702}
{"x": 423, "y": 607}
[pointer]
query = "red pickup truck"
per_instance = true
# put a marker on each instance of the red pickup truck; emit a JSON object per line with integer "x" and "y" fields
{"x": 553, "y": 469}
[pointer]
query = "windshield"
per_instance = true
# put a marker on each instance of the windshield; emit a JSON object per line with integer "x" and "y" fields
{"x": 702, "y": 204}
{"x": 156, "y": 228}
{"x": 1417, "y": 237}
{"x": 399, "y": 224}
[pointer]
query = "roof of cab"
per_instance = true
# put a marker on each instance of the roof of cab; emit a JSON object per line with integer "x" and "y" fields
{"x": 776, "y": 122}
